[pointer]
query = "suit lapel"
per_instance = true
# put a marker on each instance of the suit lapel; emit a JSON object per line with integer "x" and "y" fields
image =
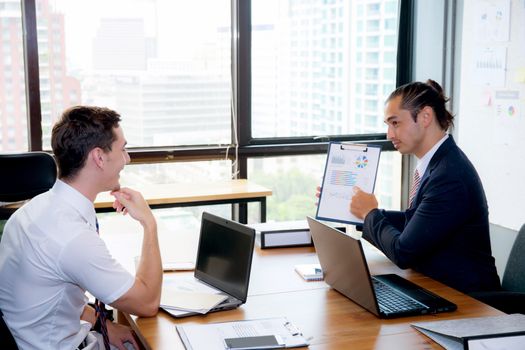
{"x": 434, "y": 162}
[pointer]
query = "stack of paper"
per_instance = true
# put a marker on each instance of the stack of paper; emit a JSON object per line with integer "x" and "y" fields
{"x": 201, "y": 302}
{"x": 310, "y": 272}
{"x": 211, "y": 336}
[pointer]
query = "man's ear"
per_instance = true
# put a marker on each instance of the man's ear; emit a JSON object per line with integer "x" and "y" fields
{"x": 97, "y": 157}
{"x": 427, "y": 116}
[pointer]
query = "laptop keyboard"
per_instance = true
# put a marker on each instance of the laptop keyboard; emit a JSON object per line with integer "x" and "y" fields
{"x": 390, "y": 300}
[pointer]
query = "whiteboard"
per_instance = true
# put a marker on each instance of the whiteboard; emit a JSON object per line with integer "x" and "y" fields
{"x": 491, "y": 117}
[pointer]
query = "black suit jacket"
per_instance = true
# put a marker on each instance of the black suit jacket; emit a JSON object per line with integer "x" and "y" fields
{"x": 445, "y": 234}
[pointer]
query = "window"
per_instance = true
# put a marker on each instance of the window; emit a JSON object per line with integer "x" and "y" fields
{"x": 166, "y": 67}
{"x": 12, "y": 80}
{"x": 171, "y": 88}
{"x": 275, "y": 26}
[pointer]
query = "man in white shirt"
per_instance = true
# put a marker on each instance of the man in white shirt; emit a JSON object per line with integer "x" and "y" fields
{"x": 51, "y": 253}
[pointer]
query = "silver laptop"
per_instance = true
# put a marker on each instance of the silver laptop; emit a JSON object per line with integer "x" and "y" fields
{"x": 345, "y": 269}
{"x": 224, "y": 260}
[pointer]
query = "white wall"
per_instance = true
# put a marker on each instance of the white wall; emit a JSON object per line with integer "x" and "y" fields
{"x": 491, "y": 115}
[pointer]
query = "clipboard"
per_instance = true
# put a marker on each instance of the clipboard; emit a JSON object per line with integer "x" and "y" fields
{"x": 347, "y": 165}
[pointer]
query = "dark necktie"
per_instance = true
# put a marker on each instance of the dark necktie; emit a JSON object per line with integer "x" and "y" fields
{"x": 100, "y": 313}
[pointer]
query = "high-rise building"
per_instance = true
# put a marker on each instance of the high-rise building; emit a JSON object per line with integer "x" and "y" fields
{"x": 57, "y": 89}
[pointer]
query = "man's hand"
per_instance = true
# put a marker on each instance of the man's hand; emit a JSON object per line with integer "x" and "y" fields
{"x": 362, "y": 203}
{"x": 318, "y": 194}
{"x": 119, "y": 334}
{"x": 132, "y": 202}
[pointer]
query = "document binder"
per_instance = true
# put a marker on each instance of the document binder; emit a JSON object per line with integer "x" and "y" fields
{"x": 494, "y": 332}
{"x": 285, "y": 234}
{"x": 347, "y": 165}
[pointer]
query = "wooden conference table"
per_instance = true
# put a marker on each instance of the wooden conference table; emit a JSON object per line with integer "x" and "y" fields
{"x": 330, "y": 319}
{"x": 238, "y": 191}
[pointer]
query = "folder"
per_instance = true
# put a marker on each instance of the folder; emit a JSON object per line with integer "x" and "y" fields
{"x": 285, "y": 234}
{"x": 495, "y": 332}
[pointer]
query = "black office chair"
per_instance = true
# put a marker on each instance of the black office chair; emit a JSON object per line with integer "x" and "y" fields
{"x": 23, "y": 176}
{"x": 512, "y": 298}
{"x": 6, "y": 338}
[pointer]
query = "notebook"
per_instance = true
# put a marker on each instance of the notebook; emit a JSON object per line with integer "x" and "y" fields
{"x": 310, "y": 272}
{"x": 346, "y": 270}
{"x": 224, "y": 261}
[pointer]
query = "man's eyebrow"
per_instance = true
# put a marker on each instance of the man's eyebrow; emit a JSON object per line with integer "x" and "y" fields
{"x": 389, "y": 119}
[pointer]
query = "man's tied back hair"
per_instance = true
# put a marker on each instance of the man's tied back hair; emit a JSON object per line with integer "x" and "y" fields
{"x": 417, "y": 95}
{"x": 79, "y": 130}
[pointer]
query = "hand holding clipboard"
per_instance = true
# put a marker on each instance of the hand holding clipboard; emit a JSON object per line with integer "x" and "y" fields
{"x": 347, "y": 166}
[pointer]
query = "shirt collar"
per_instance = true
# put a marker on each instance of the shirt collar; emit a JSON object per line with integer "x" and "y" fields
{"x": 422, "y": 164}
{"x": 77, "y": 200}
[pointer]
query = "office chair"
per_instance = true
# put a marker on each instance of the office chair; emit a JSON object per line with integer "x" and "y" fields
{"x": 23, "y": 176}
{"x": 6, "y": 338}
{"x": 512, "y": 298}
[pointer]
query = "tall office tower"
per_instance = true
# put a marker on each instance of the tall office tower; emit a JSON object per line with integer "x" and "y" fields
{"x": 372, "y": 60}
{"x": 373, "y": 72}
{"x": 13, "y": 121}
{"x": 57, "y": 89}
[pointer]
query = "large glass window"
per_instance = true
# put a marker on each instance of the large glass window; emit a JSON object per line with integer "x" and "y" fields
{"x": 13, "y": 114}
{"x": 299, "y": 65}
{"x": 165, "y": 65}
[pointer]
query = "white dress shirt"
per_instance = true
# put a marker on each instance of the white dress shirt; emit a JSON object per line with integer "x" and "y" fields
{"x": 50, "y": 254}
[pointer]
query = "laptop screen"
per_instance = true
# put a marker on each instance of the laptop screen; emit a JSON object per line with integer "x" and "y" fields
{"x": 224, "y": 256}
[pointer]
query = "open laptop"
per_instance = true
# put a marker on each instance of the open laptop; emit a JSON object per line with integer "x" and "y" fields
{"x": 346, "y": 270}
{"x": 224, "y": 260}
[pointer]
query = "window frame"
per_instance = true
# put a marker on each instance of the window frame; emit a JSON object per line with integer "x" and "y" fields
{"x": 247, "y": 145}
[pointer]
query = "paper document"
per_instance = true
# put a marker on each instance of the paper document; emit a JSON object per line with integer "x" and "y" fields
{"x": 185, "y": 293}
{"x": 211, "y": 336}
{"x": 190, "y": 301}
{"x": 310, "y": 272}
{"x": 347, "y": 165}
{"x": 496, "y": 332}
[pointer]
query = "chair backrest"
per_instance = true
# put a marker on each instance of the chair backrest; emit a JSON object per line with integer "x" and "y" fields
{"x": 6, "y": 338}
{"x": 514, "y": 276}
{"x": 24, "y": 175}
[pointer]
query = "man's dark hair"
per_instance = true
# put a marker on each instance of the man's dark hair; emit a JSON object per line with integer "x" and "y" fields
{"x": 417, "y": 95}
{"x": 79, "y": 130}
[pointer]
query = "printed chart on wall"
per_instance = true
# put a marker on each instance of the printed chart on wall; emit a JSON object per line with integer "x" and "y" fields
{"x": 347, "y": 165}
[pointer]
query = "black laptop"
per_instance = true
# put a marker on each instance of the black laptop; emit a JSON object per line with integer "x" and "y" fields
{"x": 345, "y": 269}
{"x": 224, "y": 260}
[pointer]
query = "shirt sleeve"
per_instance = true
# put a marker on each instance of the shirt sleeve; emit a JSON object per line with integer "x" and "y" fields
{"x": 86, "y": 261}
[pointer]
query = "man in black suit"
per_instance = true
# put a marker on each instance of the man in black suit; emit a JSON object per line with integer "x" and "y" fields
{"x": 444, "y": 233}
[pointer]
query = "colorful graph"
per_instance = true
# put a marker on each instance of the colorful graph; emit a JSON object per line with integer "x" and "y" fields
{"x": 361, "y": 162}
{"x": 343, "y": 178}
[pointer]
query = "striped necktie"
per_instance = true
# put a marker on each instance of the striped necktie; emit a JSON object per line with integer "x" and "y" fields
{"x": 415, "y": 186}
{"x": 100, "y": 313}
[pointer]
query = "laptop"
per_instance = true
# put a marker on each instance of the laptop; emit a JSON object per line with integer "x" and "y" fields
{"x": 345, "y": 269}
{"x": 224, "y": 261}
